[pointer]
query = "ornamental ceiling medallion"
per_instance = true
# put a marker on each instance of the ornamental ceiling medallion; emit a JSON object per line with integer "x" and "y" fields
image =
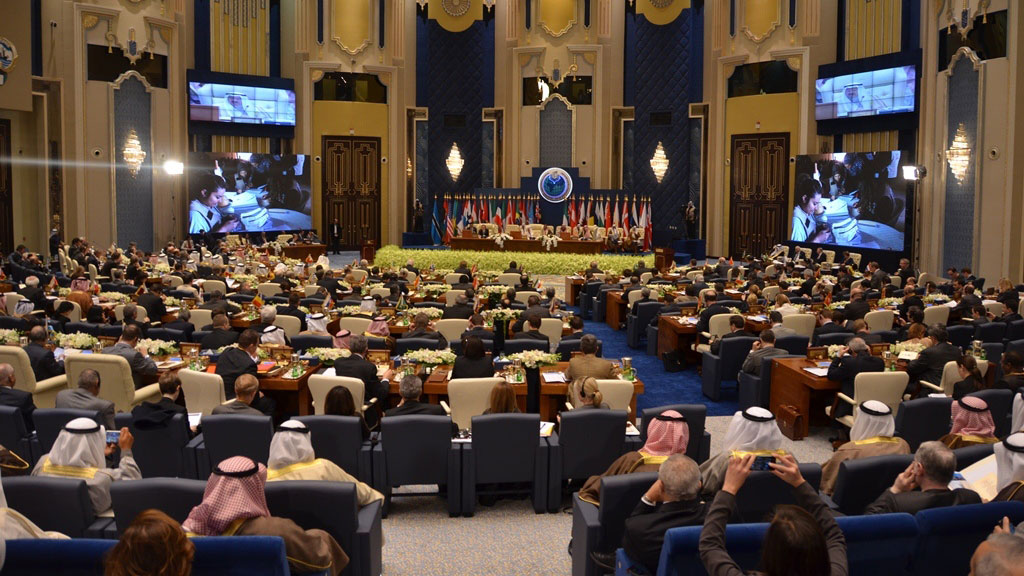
{"x": 456, "y": 8}
{"x": 761, "y": 18}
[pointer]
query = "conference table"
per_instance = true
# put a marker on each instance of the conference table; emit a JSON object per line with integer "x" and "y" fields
{"x": 524, "y": 245}
{"x": 793, "y": 386}
{"x": 302, "y": 251}
{"x": 680, "y": 332}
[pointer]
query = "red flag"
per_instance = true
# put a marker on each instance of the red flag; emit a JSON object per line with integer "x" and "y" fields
{"x": 449, "y": 226}
{"x": 730, "y": 261}
{"x": 572, "y": 213}
{"x": 510, "y": 214}
{"x": 649, "y": 235}
{"x": 522, "y": 211}
{"x": 625, "y": 216}
{"x": 607, "y": 215}
{"x": 257, "y": 301}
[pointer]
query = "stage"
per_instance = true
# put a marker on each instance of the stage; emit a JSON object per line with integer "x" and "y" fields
{"x": 512, "y": 245}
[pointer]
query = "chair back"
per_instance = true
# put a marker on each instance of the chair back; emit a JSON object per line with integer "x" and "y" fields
{"x": 115, "y": 375}
{"x": 948, "y": 536}
{"x": 268, "y": 289}
{"x": 646, "y": 312}
{"x": 54, "y": 504}
{"x": 803, "y": 324}
{"x": 960, "y": 336}
{"x": 524, "y": 295}
{"x": 886, "y": 387}
{"x": 880, "y": 545}
{"x": 763, "y": 491}
{"x": 360, "y": 275}
{"x": 619, "y": 496}
{"x": 416, "y": 450}
{"x": 1000, "y": 404}
{"x": 879, "y": 320}
{"x": 83, "y": 327}
{"x": 211, "y": 286}
{"x": 618, "y": 394}
{"x": 718, "y": 325}
{"x": 923, "y": 419}
{"x": 317, "y": 505}
{"x": 160, "y": 450}
{"x": 972, "y": 454}
{"x": 505, "y": 447}
{"x": 451, "y": 328}
{"x": 950, "y": 376}
{"x": 508, "y": 278}
{"x": 469, "y": 397}
{"x": 633, "y": 296}
{"x": 403, "y": 345}
{"x": 516, "y": 346}
{"x": 76, "y": 313}
{"x": 565, "y": 349}
{"x": 290, "y": 324}
{"x": 552, "y": 328}
{"x": 590, "y": 441}
{"x": 680, "y": 555}
{"x": 937, "y": 314}
{"x": 175, "y": 497}
{"x": 227, "y": 435}
{"x": 24, "y": 377}
{"x": 695, "y": 415}
{"x": 354, "y": 324}
{"x": 303, "y": 342}
{"x": 338, "y": 439}
{"x": 199, "y": 318}
{"x": 770, "y": 292}
{"x": 450, "y": 296}
{"x": 311, "y": 290}
{"x": 861, "y": 480}
{"x": 452, "y": 278}
{"x": 14, "y": 434}
{"x": 995, "y": 308}
{"x": 141, "y": 315}
{"x": 320, "y": 385}
{"x": 796, "y": 345}
{"x": 50, "y": 421}
{"x": 204, "y": 391}
{"x": 991, "y": 331}
{"x": 1015, "y": 330}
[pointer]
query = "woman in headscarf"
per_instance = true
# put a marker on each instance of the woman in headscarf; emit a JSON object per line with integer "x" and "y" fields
{"x": 234, "y": 504}
{"x": 80, "y": 452}
{"x": 667, "y": 434}
{"x": 972, "y": 424}
{"x": 1009, "y": 455}
{"x": 752, "y": 430}
{"x": 292, "y": 458}
{"x": 871, "y": 435}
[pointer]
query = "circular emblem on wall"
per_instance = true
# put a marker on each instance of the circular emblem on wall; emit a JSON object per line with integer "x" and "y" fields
{"x": 554, "y": 185}
{"x": 661, "y": 3}
{"x": 8, "y": 54}
{"x": 455, "y": 7}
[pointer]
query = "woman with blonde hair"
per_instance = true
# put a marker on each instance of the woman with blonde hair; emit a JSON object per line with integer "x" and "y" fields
{"x": 503, "y": 399}
{"x": 587, "y": 393}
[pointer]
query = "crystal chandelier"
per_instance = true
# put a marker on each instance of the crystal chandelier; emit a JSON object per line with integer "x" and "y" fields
{"x": 454, "y": 162}
{"x": 133, "y": 153}
{"x": 958, "y": 156}
{"x": 659, "y": 163}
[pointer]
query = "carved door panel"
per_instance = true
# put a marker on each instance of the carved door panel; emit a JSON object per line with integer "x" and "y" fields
{"x": 759, "y": 194}
{"x": 6, "y": 190}
{"x": 351, "y": 188}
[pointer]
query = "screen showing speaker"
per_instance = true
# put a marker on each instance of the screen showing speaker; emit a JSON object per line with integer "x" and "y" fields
{"x": 243, "y": 192}
{"x": 871, "y": 93}
{"x": 857, "y": 200}
{"x": 240, "y": 104}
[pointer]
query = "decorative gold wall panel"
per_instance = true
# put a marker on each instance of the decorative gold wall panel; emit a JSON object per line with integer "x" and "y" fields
{"x": 761, "y": 18}
{"x": 871, "y": 141}
{"x": 667, "y": 13}
{"x": 352, "y": 24}
{"x": 455, "y": 23}
{"x": 556, "y": 17}
{"x": 240, "y": 144}
{"x": 240, "y": 36}
{"x": 873, "y": 28}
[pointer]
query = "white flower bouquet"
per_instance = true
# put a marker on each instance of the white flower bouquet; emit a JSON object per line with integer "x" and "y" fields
{"x": 77, "y": 341}
{"x": 499, "y": 239}
{"x": 171, "y": 301}
{"x": 507, "y": 314}
{"x": 373, "y": 286}
{"x": 162, "y": 268}
{"x": 63, "y": 292}
{"x": 115, "y": 297}
{"x": 885, "y": 302}
{"x": 489, "y": 292}
{"x": 834, "y": 350}
{"x": 158, "y": 347}
{"x": 430, "y": 357}
{"x": 535, "y": 358}
{"x": 249, "y": 279}
{"x": 900, "y": 347}
{"x": 548, "y": 242}
{"x": 434, "y": 290}
{"x": 351, "y": 311}
{"x": 327, "y": 356}
{"x": 935, "y": 298}
{"x": 838, "y": 305}
{"x": 10, "y": 337}
{"x": 429, "y": 311}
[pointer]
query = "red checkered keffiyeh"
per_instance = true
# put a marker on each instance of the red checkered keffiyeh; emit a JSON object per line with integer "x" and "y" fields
{"x": 665, "y": 438}
{"x": 971, "y": 417}
{"x": 229, "y": 497}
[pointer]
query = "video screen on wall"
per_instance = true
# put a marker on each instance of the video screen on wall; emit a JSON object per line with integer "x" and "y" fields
{"x": 240, "y": 104}
{"x": 872, "y": 93}
{"x": 855, "y": 200}
{"x": 243, "y": 192}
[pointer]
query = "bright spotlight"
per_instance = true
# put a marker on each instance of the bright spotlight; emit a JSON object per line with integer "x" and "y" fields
{"x": 174, "y": 167}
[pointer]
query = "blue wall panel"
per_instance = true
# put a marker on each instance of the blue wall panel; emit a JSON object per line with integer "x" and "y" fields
{"x": 134, "y": 194}
{"x": 958, "y": 231}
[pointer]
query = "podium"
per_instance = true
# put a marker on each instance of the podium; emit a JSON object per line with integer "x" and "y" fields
{"x": 368, "y": 251}
{"x": 664, "y": 258}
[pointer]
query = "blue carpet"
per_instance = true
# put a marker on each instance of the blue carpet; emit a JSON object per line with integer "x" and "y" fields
{"x": 660, "y": 387}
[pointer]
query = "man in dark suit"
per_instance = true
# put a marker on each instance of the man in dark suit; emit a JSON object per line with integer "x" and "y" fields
{"x": 222, "y": 335}
{"x": 463, "y": 268}
{"x": 910, "y": 299}
{"x": 357, "y": 366}
{"x": 130, "y": 317}
{"x": 246, "y": 389}
{"x": 861, "y": 330}
{"x": 217, "y": 303}
{"x": 292, "y": 309}
{"x": 856, "y": 358}
{"x": 182, "y": 324}
{"x": 19, "y": 399}
{"x": 827, "y": 324}
{"x": 513, "y": 268}
{"x": 236, "y": 361}
{"x": 929, "y": 364}
{"x": 924, "y": 484}
{"x": 462, "y": 309}
{"x": 672, "y": 501}
{"x": 34, "y": 294}
{"x": 534, "y": 332}
{"x": 710, "y": 300}
{"x": 140, "y": 362}
{"x": 1009, "y": 313}
{"x": 335, "y": 234}
{"x": 44, "y": 365}
{"x": 857, "y": 307}
{"x": 906, "y": 272}
{"x": 86, "y": 397}
{"x": 411, "y": 267}
{"x": 410, "y": 389}
{"x": 170, "y": 389}
{"x": 645, "y": 296}
{"x": 421, "y": 329}
{"x": 533, "y": 308}
{"x": 736, "y": 330}
{"x": 329, "y": 283}
{"x": 476, "y": 328}
{"x": 1013, "y": 372}
{"x": 968, "y": 300}
{"x": 978, "y": 317}
{"x": 576, "y": 326}
{"x": 153, "y": 302}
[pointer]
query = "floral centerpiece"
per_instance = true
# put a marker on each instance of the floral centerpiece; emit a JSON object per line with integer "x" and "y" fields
{"x": 158, "y": 347}
{"x": 115, "y": 297}
{"x": 492, "y": 292}
{"x": 662, "y": 291}
{"x": 496, "y": 314}
{"x": 162, "y": 268}
{"x": 935, "y": 298}
{"x": 172, "y": 301}
{"x": 63, "y": 292}
{"x": 77, "y": 341}
{"x": 499, "y": 239}
{"x": 434, "y": 290}
{"x": 10, "y": 337}
{"x": 734, "y": 310}
{"x": 549, "y": 241}
{"x": 838, "y": 305}
{"x": 249, "y": 279}
{"x": 429, "y": 311}
{"x": 834, "y": 350}
{"x": 885, "y": 302}
{"x": 351, "y": 311}
{"x": 327, "y": 356}
{"x": 429, "y": 357}
{"x": 535, "y": 358}
{"x": 900, "y": 347}
{"x": 373, "y": 286}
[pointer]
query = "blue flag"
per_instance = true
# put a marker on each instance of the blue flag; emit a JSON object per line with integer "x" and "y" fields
{"x": 437, "y": 229}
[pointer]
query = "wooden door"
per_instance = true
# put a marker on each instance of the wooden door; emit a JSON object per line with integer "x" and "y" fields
{"x": 6, "y": 190}
{"x": 759, "y": 192}
{"x": 351, "y": 188}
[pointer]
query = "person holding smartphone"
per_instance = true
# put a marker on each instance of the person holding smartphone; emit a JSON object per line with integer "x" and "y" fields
{"x": 752, "y": 430}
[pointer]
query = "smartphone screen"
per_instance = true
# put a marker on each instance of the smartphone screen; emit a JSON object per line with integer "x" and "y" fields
{"x": 113, "y": 436}
{"x": 761, "y": 462}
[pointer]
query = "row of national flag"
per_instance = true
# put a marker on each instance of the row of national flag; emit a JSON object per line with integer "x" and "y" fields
{"x": 452, "y": 214}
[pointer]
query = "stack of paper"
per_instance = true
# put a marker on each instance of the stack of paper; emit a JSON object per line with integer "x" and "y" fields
{"x": 819, "y": 372}
{"x": 550, "y": 377}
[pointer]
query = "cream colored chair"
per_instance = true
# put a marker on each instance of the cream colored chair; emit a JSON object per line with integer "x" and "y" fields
{"x": 803, "y": 324}
{"x": 284, "y": 238}
{"x": 535, "y": 229}
{"x": 950, "y": 376}
{"x": 646, "y": 277}
{"x": 806, "y": 253}
{"x": 382, "y": 292}
{"x": 633, "y": 296}
{"x": 410, "y": 276}
{"x": 896, "y": 280}
{"x": 524, "y": 295}
{"x": 995, "y": 308}
{"x": 886, "y": 387}
{"x": 203, "y": 390}
{"x": 353, "y": 324}
{"x": 11, "y": 299}
{"x": 598, "y": 234}
{"x": 76, "y": 314}
{"x": 770, "y": 271}
{"x": 93, "y": 273}
{"x": 451, "y": 295}
{"x": 924, "y": 278}
{"x": 879, "y": 320}
{"x": 513, "y": 228}
{"x": 508, "y": 278}
{"x": 469, "y": 397}
{"x": 140, "y": 313}
{"x": 1020, "y": 307}
{"x": 268, "y": 289}
{"x": 856, "y": 261}
{"x": 359, "y": 275}
{"x": 770, "y": 292}
{"x": 290, "y": 324}
{"x": 211, "y": 286}
{"x": 617, "y": 393}
{"x": 718, "y": 325}
{"x": 116, "y": 384}
{"x": 451, "y": 328}
{"x": 44, "y": 393}
{"x": 199, "y": 318}
{"x": 552, "y": 328}
{"x": 938, "y": 314}
{"x": 174, "y": 281}
{"x": 599, "y": 277}
{"x": 830, "y": 256}
{"x": 311, "y": 290}
{"x": 452, "y": 278}
{"x": 320, "y": 385}
{"x": 692, "y": 274}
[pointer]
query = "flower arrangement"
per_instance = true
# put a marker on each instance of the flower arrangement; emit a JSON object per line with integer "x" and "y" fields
{"x": 507, "y": 314}
{"x": 884, "y": 302}
{"x": 662, "y": 291}
{"x": 162, "y": 268}
{"x": 499, "y": 239}
{"x": 734, "y": 310}
{"x": 548, "y": 242}
{"x": 10, "y": 337}
{"x": 327, "y": 356}
{"x": 434, "y": 290}
{"x": 172, "y": 301}
{"x": 430, "y": 312}
{"x": 158, "y": 347}
{"x": 370, "y": 287}
{"x": 249, "y": 279}
{"x": 275, "y": 247}
{"x": 63, "y": 292}
{"x": 838, "y": 305}
{"x": 535, "y": 358}
{"x": 77, "y": 341}
{"x": 115, "y": 297}
{"x": 495, "y": 262}
{"x": 935, "y": 298}
{"x": 351, "y": 311}
{"x": 430, "y": 357}
{"x": 489, "y": 292}
{"x": 901, "y": 347}
{"x": 834, "y": 350}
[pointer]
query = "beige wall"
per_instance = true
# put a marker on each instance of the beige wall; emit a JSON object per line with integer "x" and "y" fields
{"x": 29, "y": 177}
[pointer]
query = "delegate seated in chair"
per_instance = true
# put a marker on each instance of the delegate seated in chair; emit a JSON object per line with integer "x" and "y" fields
{"x": 86, "y": 397}
{"x": 752, "y": 430}
{"x": 736, "y": 330}
{"x": 80, "y": 453}
{"x": 19, "y": 399}
{"x": 246, "y": 389}
{"x": 924, "y": 484}
{"x": 1009, "y": 457}
{"x": 871, "y": 435}
{"x": 234, "y": 504}
{"x": 127, "y": 348}
{"x": 292, "y": 458}
{"x": 410, "y": 389}
{"x": 972, "y": 424}
{"x": 763, "y": 348}
{"x": 588, "y": 364}
{"x": 852, "y": 360}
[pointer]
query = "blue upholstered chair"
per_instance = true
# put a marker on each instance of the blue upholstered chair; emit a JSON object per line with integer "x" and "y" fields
{"x": 636, "y": 326}
{"x": 960, "y": 336}
{"x": 923, "y": 419}
{"x": 756, "y": 390}
{"x": 601, "y": 527}
{"x": 14, "y": 435}
{"x": 417, "y": 450}
{"x": 340, "y": 440}
{"x": 303, "y": 342}
{"x": 588, "y": 441}
{"x": 990, "y": 332}
{"x": 161, "y": 451}
{"x": 763, "y": 491}
{"x": 56, "y": 504}
{"x": 1000, "y": 404}
{"x": 175, "y": 497}
{"x": 403, "y": 345}
{"x": 860, "y": 481}
{"x": 834, "y": 338}
{"x": 227, "y": 435}
{"x": 516, "y": 346}
{"x": 722, "y": 368}
{"x": 795, "y": 345}
{"x": 948, "y": 536}
{"x": 505, "y": 448}
{"x": 50, "y": 421}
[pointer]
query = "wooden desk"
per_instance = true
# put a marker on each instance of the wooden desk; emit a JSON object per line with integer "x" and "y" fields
{"x": 673, "y": 334}
{"x": 573, "y": 286}
{"x": 792, "y": 385}
{"x": 615, "y": 308}
{"x": 514, "y": 245}
{"x": 291, "y": 394}
{"x": 300, "y": 251}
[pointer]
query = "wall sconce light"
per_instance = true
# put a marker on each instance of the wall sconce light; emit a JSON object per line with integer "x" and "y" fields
{"x": 659, "y": 163}
{"x": 958, "y": 156}
{"x": 454, "y": 162}
{"x": 174, "y": 168}
{"x": 133, "y": 153}
{"x": 408, "y": 167}
{"x": 911, "y": 172}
